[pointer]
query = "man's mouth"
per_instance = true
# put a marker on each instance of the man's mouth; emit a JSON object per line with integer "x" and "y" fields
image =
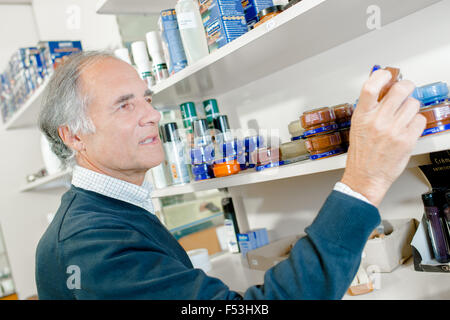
{"x": 149, "y": 140}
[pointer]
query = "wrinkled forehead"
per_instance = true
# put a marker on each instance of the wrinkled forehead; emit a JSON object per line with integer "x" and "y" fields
{"x": 103, "y": 80}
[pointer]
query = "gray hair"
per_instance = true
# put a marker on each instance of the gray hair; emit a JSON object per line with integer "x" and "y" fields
{"x": 64, "y": 103}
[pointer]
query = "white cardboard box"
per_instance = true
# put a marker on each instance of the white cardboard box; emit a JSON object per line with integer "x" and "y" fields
{"x": 394, "y": 249}
{"x": 269, "y": 255}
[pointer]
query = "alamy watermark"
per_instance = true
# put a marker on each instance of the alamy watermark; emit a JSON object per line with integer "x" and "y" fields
{"x": 74, "y": 279}
{"x": 374, "y": 19}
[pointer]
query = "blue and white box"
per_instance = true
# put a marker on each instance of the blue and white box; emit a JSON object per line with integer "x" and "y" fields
{"x": 223, "y": 20}
{"x": 252, "y": 8}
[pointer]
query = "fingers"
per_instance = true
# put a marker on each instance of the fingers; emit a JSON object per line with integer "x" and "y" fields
{"x": 417, "y": 126}
{"x": 406, "y": 112}
{"x": 394, "y": 99}
{"x": 368, "y": 98}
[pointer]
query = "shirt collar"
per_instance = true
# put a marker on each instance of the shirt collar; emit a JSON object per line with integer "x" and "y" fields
{"x": 113, "y": 187}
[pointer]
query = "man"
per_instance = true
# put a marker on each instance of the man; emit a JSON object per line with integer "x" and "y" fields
{"x": 105, "y": 243}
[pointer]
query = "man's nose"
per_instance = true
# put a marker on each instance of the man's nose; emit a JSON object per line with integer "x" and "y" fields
{"x": 149, "y": 115}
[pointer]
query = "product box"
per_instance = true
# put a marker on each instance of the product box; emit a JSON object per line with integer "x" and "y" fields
{"x": 394, "y": 248}
{"x": 252, "y": 8}
{"x": 436, "y": 174}
{"x": 55, "y": 52}
{"x": 223, "y": 20}
{"x": 269, "y": 255}
{"x": 172, "y": 43}
{"x": 252, "y": 239}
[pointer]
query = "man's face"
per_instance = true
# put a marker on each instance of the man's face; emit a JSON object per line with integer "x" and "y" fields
{"x": 126, "y": 140}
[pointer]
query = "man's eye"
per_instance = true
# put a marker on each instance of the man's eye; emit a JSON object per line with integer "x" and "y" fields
{"x": 126, "y": 106}
{"x": 148, "y": 99}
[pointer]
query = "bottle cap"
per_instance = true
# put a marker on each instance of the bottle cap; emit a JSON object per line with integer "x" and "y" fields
{"x": 170, "y": 132}
{"x": 200, "y": 128}
{"x": 201, "y": 132}
{"x": 188, "y": 110}
{"x": 211, "y": 109}
{"x": 432, "y": 93}
{"x": 123, "y": 54}
{"x": 140, "y": 56}
{"x": 429, "y": 200}
{"x": 221, "y": 123}
{"x": 155, "y": 48}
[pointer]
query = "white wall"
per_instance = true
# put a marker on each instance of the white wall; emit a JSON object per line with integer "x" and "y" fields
{"x": 416, "y": 44}
{"x": 76, "y": 20}
{"x": 23, "y": 216}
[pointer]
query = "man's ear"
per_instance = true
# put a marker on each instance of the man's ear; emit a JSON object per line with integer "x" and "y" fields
{"x": 71, "y": 140}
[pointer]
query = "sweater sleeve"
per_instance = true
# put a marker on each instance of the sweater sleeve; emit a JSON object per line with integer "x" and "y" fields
{"x": 322, "y": 264}
{"x": 119, "y": 263}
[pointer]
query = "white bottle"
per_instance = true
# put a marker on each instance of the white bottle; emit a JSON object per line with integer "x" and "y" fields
{"x": 156, "y": 51}
{"x": 140, "y": 56}
{"x": 123, "y": 54}
{"x": 191, "y": 30}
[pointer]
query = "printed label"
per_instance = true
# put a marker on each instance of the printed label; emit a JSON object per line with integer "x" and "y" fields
{"x": 186, "y": 20}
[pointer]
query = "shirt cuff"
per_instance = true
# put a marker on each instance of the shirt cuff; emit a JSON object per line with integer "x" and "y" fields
{"x": 342, "y": 187}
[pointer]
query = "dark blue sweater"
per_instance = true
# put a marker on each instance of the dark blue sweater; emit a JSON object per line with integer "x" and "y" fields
{"x": 101, "y": 248}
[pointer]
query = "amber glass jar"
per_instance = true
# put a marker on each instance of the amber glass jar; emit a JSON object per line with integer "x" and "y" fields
{"x": 268, "y": 13}
{"x": 318, "y": 121}
{"x": 323, "y": 146}
{"x": 438, "y": 118}
{"x": 343, "y": 113}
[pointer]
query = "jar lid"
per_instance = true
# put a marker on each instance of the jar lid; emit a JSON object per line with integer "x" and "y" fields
{"x": 431, "y": 93}
{"x": 295, "y": 128}
{"x": 268, "y": 10}
{"x": 343, "y": 111}
{"x": 226, "y": 168}
{"x": 323, "y": 142}
{"x": 292, "y": 149}
{"x": 317, "y": 116}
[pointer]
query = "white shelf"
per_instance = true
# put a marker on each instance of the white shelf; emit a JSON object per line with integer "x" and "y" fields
{"x": 424, "y": 146}
{"x": 304, "y": 30}
{"x": 27, "y": 115}
{"x": 139, "y": 7}
{"x": 402, "y": 283}
{"x": 57, "y": 180}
